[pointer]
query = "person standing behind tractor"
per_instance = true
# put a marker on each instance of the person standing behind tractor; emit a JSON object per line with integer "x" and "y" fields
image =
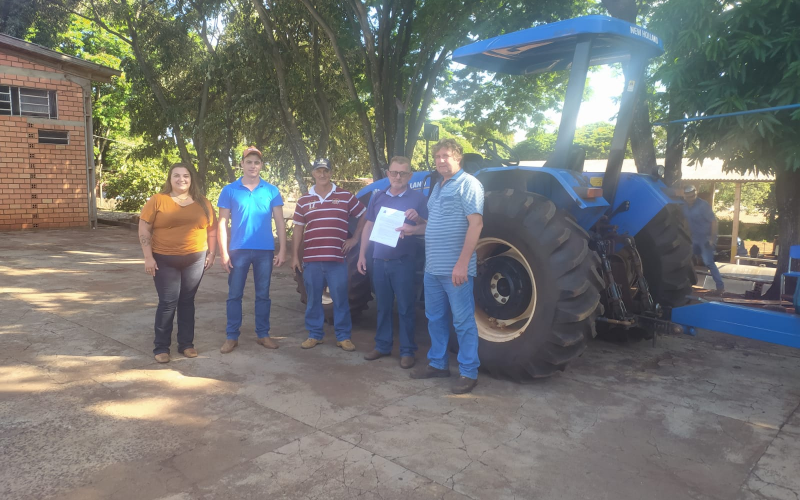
{"x": 703, "y": 226}
{"x": 394, "y": 268}
{"x": 178, "y": 233}
{"x": 321, "y": 222}
{"x": 454, "y": 225}
{"x": 250, "y": 204}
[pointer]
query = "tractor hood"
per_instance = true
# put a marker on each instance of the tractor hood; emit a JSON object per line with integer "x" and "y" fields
{"x": 551, "y": 47}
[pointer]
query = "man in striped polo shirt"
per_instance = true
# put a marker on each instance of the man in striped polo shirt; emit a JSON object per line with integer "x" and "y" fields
{"x": 454, "y": 225}
{"x": 320, "y": 226}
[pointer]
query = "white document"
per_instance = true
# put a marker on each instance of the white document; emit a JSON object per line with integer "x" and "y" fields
{"x": 385, "y": 229}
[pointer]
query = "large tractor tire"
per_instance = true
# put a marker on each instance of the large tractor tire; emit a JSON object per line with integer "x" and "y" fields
{"x": 666, "y": 250}
{"x": 537, "y": 292}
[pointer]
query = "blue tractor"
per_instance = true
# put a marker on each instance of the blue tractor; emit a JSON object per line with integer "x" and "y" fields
{"x": 565, "y": 254}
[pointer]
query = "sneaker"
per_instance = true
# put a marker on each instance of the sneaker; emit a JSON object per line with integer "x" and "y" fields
{"x": 228, "y": 346}
{"x": 267, "y": 342}
{"x": 407, "y": 362}
{"x": 190, "y": 352}
{"x": 373, "y": 355}
{"x": 428, "y": 371}
{"x": 346, "y": 345}
{"x": 162, "y": 357}
{"x": 463, "y": 385}
{"x": 309, "y": 343}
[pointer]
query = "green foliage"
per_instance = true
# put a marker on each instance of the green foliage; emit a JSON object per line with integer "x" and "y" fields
{"x": 595, "y": 138}
{"x": 757, "y": 197}
{"x": 136, "y": 181}
{"x": 725, "y": 56}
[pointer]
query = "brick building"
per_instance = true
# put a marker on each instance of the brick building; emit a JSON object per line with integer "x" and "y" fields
{"x": 46, "y": 161}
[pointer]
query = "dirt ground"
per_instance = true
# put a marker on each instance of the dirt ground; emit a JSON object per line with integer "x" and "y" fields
{"x": 86, "y": 413}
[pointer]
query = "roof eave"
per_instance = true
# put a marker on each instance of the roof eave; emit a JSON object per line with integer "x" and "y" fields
{"x": 57, "y": 60}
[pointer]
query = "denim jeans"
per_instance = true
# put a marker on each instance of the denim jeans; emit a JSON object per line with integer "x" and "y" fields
{"x": 177, "y": 280}
{"x": 242, "y": 259}
{"x": 447, "y": 304}
{"x": 392, "y": 279}
{"x": 333, "y": 274}
{"x": 706, "y": 252}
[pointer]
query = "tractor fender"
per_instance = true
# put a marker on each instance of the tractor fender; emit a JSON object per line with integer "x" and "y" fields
{"x": 647, "y": 196}
{"x": 558, "y": 185}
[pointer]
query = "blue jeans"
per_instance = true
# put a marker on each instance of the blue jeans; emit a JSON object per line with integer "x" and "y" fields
{"x": 177, "y": 280}
{"x": 447, "y": 304}
{"x": 333, "y": 274}
{"x": 242, "y": 259}
{"x": 706, "y": 252}
{"x": 395, "y": 279}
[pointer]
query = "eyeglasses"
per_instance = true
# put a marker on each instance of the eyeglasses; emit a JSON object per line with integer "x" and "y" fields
{"x": 396, "y": 173}
{"x": 442, "y": 157}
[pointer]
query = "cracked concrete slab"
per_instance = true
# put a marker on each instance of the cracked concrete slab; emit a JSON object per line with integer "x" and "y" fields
{"x": 319, "y": 466}
{"x": 86, "y": 413}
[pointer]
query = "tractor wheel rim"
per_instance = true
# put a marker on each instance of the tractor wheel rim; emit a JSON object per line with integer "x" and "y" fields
{"x": 326, "y": 296}
{"x": 490, "y": 328}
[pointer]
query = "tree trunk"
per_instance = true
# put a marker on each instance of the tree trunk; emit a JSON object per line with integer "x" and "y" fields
{"x": 200, "y": 133}
{"x": 673, "y": 157}
{"x": 787, "y": 194}
{"x": 155, "y": 86}
{"x": 288, "y": 122}
{"x": 366, "y": 126}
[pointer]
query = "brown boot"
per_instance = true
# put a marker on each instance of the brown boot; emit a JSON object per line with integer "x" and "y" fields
{"x": 373, "y": 355}
{"x": 346, "y": 345}
{"x": 162, "y": 357}
{"x": 190, "y": 352}
{"x": 309, "y": 343}
{"x": 463, "y": 385}
{"x": 267, "y": 342}
{"x": 407, "y": 362}
{"x": 228, "y": 346}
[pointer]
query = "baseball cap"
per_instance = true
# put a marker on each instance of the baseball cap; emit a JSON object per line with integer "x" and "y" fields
{"x": 689, "y": 189}
{"x": 322, "y": 163}
{"x": 249, "y": 151}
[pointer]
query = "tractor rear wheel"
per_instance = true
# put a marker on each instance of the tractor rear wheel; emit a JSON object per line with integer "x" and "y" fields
{"x": 537, "y": 292}
{"x": 666, "y": 250}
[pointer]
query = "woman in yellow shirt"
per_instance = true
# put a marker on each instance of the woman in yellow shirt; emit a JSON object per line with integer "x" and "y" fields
{"x": 178, "y": 233}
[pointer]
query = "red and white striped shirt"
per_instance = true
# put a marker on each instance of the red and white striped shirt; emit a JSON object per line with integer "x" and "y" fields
{"x": 326, "y": 222}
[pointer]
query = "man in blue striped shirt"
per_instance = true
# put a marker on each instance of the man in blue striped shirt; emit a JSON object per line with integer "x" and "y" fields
{"x": 454, "y": 225}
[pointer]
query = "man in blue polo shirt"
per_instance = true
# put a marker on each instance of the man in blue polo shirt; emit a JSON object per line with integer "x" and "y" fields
{"x": 250, "y": 204}
{"x": 703, "y": 228}
{"x": 394, "y": 268}
{"x": 454, "y": 226}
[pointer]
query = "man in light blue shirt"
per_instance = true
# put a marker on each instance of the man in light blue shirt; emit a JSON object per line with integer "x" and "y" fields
{"x": 454, "y": 225}
{"x": 703, "y": 227}
{"x": 250, "y": 204}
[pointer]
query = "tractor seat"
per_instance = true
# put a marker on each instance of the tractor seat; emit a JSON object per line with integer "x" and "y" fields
{"x": 471, "y": 162}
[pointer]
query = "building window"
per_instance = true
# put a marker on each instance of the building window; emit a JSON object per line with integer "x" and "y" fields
{"x": 5, "y": 100}
{"x": 21, "y": 101}
{"x": 53, "y": 137}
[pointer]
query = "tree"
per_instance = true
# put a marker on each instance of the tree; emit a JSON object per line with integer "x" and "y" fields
{"x": 402, "y": 47}
{"x": 725, "y": 56}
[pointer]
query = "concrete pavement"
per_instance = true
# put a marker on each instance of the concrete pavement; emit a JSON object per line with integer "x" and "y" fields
{"x": 86, "y": 413}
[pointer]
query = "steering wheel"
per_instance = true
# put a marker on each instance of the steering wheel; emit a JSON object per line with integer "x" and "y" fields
{"x": 491, "y": 148}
